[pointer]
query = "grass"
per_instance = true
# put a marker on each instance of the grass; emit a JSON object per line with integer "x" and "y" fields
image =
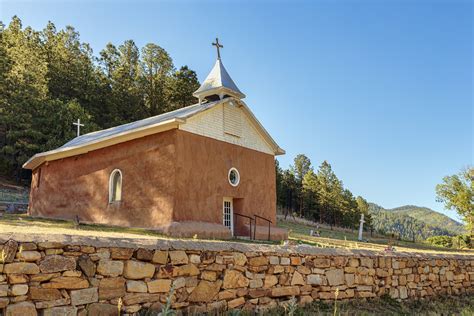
{"x": 456, "y": 305}
{"x": 299, "y": 233}
{"x": 22, "y": 223}
{"x": 433, "y": 306}
{"x": 345, "y": 238}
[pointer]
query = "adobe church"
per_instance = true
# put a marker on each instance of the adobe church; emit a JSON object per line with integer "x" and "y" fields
{"x": 207, "y": 170}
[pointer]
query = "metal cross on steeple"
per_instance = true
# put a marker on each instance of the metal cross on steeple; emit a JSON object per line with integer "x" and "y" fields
{"x": 218, "y": 46}
{"x": 78, "y": 124}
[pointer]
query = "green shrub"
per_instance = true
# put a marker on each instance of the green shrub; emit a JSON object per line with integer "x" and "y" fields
{"x": 441, "y": 241}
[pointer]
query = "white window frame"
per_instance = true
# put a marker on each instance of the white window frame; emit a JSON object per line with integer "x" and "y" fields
{"x": 231, "y": 201}
{"x": 238, "y": 177}
{"x": 111, "y": 179}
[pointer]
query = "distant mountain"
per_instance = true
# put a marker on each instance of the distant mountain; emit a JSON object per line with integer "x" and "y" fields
{"x": 410, "y": 220}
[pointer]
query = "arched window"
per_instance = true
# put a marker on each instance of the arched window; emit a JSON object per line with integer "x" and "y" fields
{"x": 115, "y": 186}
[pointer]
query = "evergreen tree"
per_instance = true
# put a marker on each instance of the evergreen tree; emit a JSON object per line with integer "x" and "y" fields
{"x": 182, "y": 85}
{"x": 49, "y": 79}
{"x": 155, "y": 70}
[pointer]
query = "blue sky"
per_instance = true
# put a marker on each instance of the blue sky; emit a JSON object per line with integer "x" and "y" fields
{"x": 380, "y": 89}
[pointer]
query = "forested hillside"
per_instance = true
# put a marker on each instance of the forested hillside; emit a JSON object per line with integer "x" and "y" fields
{"x": 49, "y": 78}
{"x": 410, "y": 222}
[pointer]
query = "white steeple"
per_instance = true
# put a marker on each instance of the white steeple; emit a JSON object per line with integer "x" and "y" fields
{"x": 218, "y": 83}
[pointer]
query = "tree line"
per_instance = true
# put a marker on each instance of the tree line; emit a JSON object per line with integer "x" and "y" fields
{"x": 50, "y": 78}
{"x": 319, "y": 195}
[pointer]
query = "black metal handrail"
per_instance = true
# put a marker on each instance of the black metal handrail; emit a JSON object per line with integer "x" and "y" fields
{"x": 251, "y": 219}
{"x": 265, "y": 219}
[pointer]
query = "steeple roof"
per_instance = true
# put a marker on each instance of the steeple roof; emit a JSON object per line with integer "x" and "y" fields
{"x": 219, "y": 83}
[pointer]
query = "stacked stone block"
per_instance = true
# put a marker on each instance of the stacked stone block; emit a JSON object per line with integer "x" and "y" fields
{"x": 53, "y": 278}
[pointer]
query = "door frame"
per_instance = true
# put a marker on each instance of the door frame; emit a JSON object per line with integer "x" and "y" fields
{"x": 231, "y": 200}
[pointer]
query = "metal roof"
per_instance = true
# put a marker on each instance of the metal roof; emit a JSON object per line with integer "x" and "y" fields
{"x": 218, "y": 79}
{"x": 108, "y": 137}
{"x": 177, "y": 114}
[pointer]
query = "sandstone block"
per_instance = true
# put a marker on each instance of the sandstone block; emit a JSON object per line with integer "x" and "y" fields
{"x": 159, "y": 286}
{"x": 303, "y": 270}
{"x": 196, "y": 259}
{"x": 136, "y": 286}
{"x": 84, "y": 296}
{"x": 403, "y": 292}
{"x": 256, "y": 293}
{"x": 296, "y": 261}
{"x": 9, "y": 251}
{"x": 112, "y": 268}
{"x": 234, "y": 279}
{"x": 144, "y": 254}
{"x": 61, "y": 311}
{"x": 335, "y": 276}
{"x": 235, "y": 303}
{"x": 258, "y": 261}
{"x": 138, "y": 298}
{"x": 40, "y": 294}
{"x": 255, "y": 283}
{"x": 111, "y": 288}
{"x": 367, "y": 262}
{"x": 179, "y": 283}
{"x": 160, "y": 257}
{"x": 227, "y": 294}
{"x": 21, "y": 268}
{"x": 102, "y": 309}
{"x": 274, "y": 260}
{"x": 316, "y": 279}
{"x": 56, "y": 252}
{"x": 55, "y": 263}
{"x": 66, "y": 283}
{"x": 270, "y": 281}
{"x": 17, "y": 278}
{"x": 178, "y": 257}
{"x": 205, "y": 291}
{"x": 86, "y": 265}
{"x": 138, "y": 270}
{"x": 121, "y": 253}
{"x": 349, "y": 279}
{"x": 28, "y": 256}
{"x": 284, "y": 261}
{"x": 239, "y": 258}
{"x": 72, "y": 273}
{"x": 209, "y": 275}
{"x": 53, "y": 303}
{"x": 23, "y": 309}
{"x": 366, "y": 294}
{"x": 185, "y": 270}
{"x": 297, "y": 279}
{"x": 353, "y": 262}
{"x": 19, "y": 289}
{"x": 321, "y": 263}
{"x": 285, "y": 291}
{"x": 4, "y": 302}
{"x": 50, "y": 245}
{"x": 44, "y": 277}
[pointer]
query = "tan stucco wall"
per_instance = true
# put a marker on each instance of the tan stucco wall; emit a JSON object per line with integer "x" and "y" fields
{"x": 79, "y": 185}
{"x": 202, "y": 168}
{"x": 171, "y": 176}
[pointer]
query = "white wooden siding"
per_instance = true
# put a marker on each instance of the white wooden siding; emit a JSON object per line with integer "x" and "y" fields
{"x": 232, "y": 120}
{"x": 210, "y": 123}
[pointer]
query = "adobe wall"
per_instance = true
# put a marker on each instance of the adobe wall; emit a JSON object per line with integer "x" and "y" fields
{"x": 80, "y": 185}
{"x": 72, "y": 275}
{"x": 202, "y": 180}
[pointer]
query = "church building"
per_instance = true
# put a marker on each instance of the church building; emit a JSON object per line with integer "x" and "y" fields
{"x": 207, "y": 169}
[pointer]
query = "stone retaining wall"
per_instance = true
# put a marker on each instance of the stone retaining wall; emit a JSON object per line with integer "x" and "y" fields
{"x": 69, "y": 275}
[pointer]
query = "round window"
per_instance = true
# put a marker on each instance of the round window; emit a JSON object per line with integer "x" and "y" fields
{"x": 234, "y": 177}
